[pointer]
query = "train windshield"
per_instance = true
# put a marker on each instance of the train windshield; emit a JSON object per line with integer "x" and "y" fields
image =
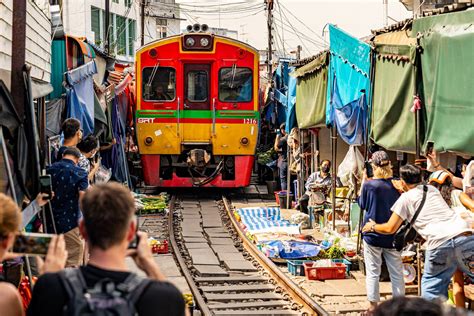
{"x": 197, "y": 86}
{"x": 235, "y": 84}
{"x": 159, "y": 84}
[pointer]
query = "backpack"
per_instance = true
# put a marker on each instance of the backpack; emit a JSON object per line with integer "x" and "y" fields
{"x": 105, "y": 299}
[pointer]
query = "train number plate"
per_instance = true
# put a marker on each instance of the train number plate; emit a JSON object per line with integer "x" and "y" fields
{"x": 250, "y": 121}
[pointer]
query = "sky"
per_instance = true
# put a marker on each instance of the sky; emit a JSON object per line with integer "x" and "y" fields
{"x": 297, "y": 22}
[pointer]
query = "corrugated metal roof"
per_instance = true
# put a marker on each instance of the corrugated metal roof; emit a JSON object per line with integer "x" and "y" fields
{"x": 321, "y": 61}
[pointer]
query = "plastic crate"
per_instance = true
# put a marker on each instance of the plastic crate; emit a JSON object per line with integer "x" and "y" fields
{"x": 346, "y": 262}
{"x": 325, "y": 273}
{"x": 295, "y": 267}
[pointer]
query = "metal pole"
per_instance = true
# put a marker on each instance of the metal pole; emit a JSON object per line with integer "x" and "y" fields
{"x": 142, "y": 21}
{"x": 270, "y": 38}
{"x": 107, "y": 26}
{"x": 333, "y": 163}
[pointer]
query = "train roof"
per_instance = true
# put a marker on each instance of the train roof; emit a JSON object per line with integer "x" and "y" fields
{"x": 151, "y": 44}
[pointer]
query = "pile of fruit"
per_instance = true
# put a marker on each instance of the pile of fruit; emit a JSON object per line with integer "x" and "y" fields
{"x": 158, "y": 246}
{"x": 188, "y": 299}
{"x": 151, "y": 204}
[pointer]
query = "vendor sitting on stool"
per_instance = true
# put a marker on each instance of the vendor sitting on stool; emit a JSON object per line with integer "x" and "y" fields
{"x": 315, "y": 180}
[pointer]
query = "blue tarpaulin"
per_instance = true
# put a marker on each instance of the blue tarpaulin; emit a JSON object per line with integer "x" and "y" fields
{"x": 80, "y": 95}
{"x": 285, "y": 94}
{"x": 290, "y": 249}
{"x": 349, "y": 86}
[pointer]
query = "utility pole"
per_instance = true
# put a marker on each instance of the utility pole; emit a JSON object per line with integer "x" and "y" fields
{"x": 107, "y": 26}
{"x": 385, "y": 12}
{"x": 298, "y": 52}
{"x": 269, "y": 4}
{"x": 17, "y": 83}
{"x": 142, "y": 21}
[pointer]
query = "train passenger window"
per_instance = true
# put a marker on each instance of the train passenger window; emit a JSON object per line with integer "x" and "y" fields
{"x": 159, "y": 84}
{"x": 197, "y": 86}
{"x": 235, "y": 84}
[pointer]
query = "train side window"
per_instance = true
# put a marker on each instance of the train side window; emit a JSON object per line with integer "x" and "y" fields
{"x": 159, "y": 84}
{"x": 197, "y": 88}
{"x": 235, "y": 84}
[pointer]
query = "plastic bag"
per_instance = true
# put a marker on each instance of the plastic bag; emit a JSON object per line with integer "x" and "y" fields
{"x": 103, "y": 175}
{"x": 353, "y": 164}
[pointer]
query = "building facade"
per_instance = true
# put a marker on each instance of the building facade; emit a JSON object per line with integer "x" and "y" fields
{"x": 87, "y": 19}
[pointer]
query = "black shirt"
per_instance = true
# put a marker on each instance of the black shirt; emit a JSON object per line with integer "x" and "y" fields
{"x": 50, "y": 297}
{"x": 283, "y": 145}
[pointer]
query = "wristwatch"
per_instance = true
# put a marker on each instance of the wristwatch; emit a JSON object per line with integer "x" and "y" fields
{"x": 372, "y": 228}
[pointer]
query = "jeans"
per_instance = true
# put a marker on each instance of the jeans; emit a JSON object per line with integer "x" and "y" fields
{"x": 373, "y": 267}
{"x": 283, "y": 169}
{"x": 442, "y": 262}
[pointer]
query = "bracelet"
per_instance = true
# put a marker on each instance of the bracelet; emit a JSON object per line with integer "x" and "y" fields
{"x": 437, "y": 166}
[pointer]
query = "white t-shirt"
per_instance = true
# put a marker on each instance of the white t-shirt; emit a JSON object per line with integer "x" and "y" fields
{"x": 437, "y": 222}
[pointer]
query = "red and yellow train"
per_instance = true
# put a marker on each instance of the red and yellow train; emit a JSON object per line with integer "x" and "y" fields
{"x": 197, "y": 118}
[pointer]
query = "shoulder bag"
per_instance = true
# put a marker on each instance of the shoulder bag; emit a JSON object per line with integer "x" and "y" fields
{"x": 406, "y": 233}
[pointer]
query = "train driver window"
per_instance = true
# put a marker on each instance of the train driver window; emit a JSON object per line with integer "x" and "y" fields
{"x": 235, "y": 84}
{"x": 159, "y": 84}
{"x": 197, "y": 86}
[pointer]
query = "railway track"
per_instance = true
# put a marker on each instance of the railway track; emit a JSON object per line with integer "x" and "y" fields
{"x": 226, "y": 273}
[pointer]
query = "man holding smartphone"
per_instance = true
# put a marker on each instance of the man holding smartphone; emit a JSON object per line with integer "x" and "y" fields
{"x": 69, "y": 183}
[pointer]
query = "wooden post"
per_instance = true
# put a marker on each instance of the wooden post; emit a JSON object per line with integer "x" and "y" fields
{"x": 17, "y": 84}
{"x": 334, "y": 175}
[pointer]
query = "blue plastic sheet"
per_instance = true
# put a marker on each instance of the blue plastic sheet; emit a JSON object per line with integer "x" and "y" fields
{"x": 348, "y": 86}
{"x": 80, "y": 95}
{"x": 291, "y": 249}
{"x": 291, "y": 102}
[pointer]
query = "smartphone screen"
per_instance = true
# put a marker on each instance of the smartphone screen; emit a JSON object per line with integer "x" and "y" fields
{"x": 32, "y": 243}
{"x": 368, "y": 169}
{"x": 45, "y": 185}
{"x": 429, "y": 147}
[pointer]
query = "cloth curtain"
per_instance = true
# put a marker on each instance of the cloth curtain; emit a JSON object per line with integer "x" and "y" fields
{"x": 80, "y": 95}
{"x": 448, "y": 80}
{"x": 291, "y": 102}
{"x": 311, "y": 98}
{"x": 393, "y": 124}
{"x": 348, "y": 88}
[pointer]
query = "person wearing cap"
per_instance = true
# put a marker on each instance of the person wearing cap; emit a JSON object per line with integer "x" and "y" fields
{"x": 69, "y": 184}
{"x": 449, "y": 239}
{"x": 377, "y": 197}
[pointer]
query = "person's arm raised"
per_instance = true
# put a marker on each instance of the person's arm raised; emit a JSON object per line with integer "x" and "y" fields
{"x": 144, "y": 260}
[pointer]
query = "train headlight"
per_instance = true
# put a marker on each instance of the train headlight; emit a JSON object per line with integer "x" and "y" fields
{"x": 244, "y": 141}
{"x": 190, "y": 41}
{"x": 204, "y": 42}
{"x": 148, "y": 141}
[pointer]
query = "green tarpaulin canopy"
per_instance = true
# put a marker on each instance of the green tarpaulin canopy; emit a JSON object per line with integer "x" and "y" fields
{"x": 311, "y": 93}
{"x": 448, "y": 79}
{"x": 393, "y": 124}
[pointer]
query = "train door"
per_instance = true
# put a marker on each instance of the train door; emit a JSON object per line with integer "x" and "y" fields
{"x": 197, "y": 103}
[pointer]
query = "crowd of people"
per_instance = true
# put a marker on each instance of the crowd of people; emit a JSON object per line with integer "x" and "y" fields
{"x": 438, "y": 205}
{"x": 92, "y": 225}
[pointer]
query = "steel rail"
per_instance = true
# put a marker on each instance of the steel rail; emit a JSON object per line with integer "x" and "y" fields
{"x": 308, "y": 304}
{"x": 197, "y": 297}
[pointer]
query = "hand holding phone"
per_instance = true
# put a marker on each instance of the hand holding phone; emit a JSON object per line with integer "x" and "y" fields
{"x": 369, "y": 171}
{"x": 32, "y": 243}
{"x": 46, "y": 186}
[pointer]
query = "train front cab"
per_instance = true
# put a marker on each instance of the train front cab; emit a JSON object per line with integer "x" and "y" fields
{"x": 197, "y": 107}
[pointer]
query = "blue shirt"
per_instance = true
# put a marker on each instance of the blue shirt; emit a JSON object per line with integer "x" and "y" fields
{"x": 377, "y": 198}
{"x": 67, "y": 180}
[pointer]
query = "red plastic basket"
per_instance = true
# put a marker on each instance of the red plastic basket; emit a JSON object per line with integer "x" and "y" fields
{"x": 338, "y": 271}
{"x": 161, "y": 248}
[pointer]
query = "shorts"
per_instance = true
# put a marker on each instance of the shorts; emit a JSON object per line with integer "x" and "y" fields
{"x": 74, "y": 247}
